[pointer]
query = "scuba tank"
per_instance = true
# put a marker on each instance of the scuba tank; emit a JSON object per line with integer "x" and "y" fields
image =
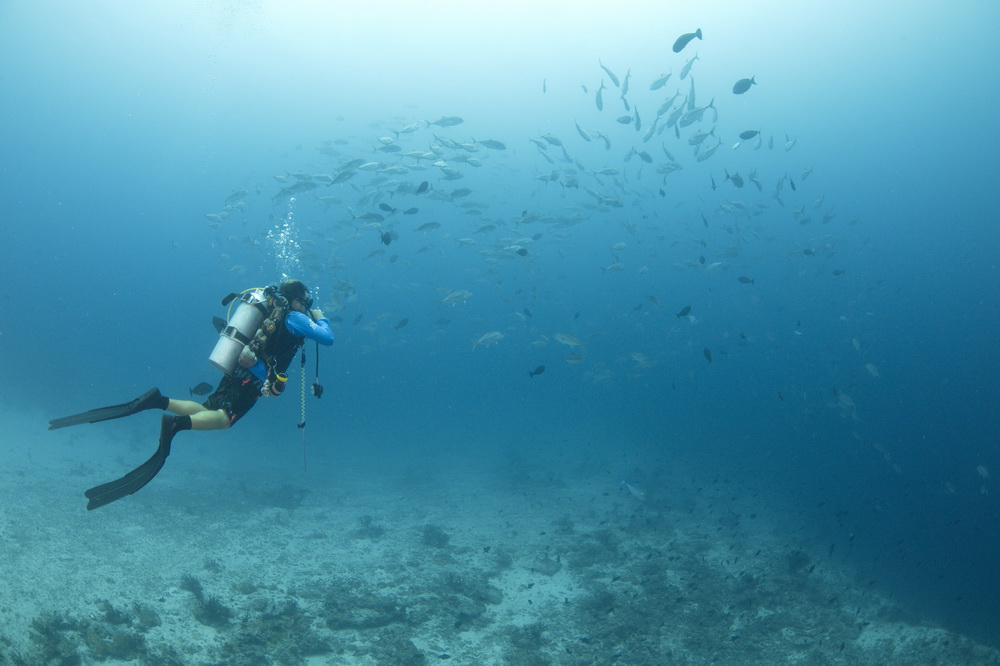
{"x": 240, "y": 330}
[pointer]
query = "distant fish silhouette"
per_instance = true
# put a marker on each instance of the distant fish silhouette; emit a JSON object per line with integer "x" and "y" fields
{"x": 683, "y": 40}
{"x": 743, "y": 85}
{"x": 201, "y": 389}
{"x": 537, "y": 371}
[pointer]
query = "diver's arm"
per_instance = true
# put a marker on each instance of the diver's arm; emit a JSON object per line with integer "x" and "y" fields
{"x": 319, "y": 330}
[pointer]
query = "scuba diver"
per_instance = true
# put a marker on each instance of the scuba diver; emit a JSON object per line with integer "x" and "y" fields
{"x": 254, "y": 350}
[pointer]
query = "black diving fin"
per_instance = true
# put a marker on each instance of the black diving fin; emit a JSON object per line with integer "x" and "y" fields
{"x": 115, "y": 490}
{"x": 149, "y": 400}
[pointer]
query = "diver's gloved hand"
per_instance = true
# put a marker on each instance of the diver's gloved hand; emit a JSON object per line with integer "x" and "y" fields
{"x": 316, "y": 314}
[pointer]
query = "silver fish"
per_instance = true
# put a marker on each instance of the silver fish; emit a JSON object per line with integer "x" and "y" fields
{"x": 660, "y": 82}
{"x": 705, "y": 154}
{"x": 487, "y": 339}
{"x": 650, "y": 131}
{"x": 446, "y": 121}
{"x": 236, "y": 196}
{"x": 406, "y": 129}
{"x": 699, "y": 137}
{"x": 675, "y": 116}
{"x": 667, "y": 105}
{"x": 457, "y": 296}
{"x": 696, "y": 115}
{"x": 614, "y": 79}
{"x": 493, "y": 144}
{"x": 687, "y": 66}
{"x": 301, "y": 186}
{"x": 568, "y": 340}
{"x": 636, "y": 491}
{"x": 344, "y": 175}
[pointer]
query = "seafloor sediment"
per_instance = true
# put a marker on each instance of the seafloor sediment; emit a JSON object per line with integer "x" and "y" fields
{"x": 514, "y": 568}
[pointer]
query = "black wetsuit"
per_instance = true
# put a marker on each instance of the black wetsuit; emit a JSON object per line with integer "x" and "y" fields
{"x": 238, "y": 392}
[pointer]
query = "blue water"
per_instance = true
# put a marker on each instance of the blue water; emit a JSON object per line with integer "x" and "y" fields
{"x": 124, "y": 125}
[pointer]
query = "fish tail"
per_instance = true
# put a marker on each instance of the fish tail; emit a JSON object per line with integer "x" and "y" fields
{"x": 697, "y": 33}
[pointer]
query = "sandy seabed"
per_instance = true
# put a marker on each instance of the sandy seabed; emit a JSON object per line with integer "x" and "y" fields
{"x": 519, "y": 567}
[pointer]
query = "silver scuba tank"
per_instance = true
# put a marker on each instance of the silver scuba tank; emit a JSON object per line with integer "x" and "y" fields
{"x": 239, "y": 331}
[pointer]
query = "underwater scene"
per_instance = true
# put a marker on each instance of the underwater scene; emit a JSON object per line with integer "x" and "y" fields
{"x": 499, "y": 333}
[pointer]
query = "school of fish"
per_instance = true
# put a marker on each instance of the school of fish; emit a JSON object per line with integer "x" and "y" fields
{"x": 419, "y": 191}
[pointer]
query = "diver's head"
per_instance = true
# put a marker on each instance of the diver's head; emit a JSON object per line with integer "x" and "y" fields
{"x": 295, "y": 290}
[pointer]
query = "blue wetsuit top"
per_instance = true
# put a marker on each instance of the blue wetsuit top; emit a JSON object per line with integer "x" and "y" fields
{"x": 302, "y": 326}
